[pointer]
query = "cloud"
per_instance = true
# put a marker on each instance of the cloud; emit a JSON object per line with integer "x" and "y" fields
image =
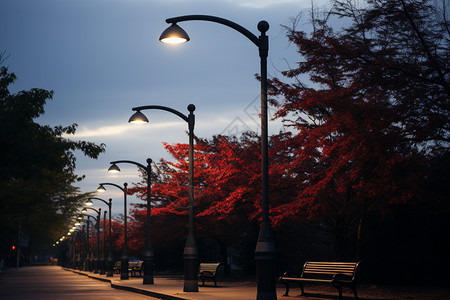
{"x": 89, "y": 132}
{"x": 255, "y": 4}
{"x": 268, "y": 3}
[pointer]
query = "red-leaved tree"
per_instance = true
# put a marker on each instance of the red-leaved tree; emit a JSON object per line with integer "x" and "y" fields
{"x": 372, "y": 121}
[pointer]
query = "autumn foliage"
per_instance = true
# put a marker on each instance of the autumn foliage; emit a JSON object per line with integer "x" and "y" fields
{"x": 362, "y": 160}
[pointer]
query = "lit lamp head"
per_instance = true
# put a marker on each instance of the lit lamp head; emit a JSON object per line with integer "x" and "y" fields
{"x": 174, "y": 34}
{"x": 138, "y": 118}
{"x": 114, "y": 169}
{"x": 77, "y": 223}
{"x": 101, "y": 188}
{"x": 84, "y": 210}
{"x": 89, "y": 202}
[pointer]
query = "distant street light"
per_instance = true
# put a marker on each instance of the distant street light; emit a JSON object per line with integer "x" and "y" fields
{"x": 190, "y": 254}
{"x": 124, "y": 257}
{"x": 103, "y": 262}
{"x": 98, "y": 219}
{"x": 109, "y": 264}
{"x": 265, "y": 253}
{"x": 148, "y": 253}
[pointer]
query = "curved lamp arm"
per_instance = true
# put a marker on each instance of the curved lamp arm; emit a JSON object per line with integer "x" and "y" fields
{"x": 113, "y": 184}
{"x": 214, "y": 19}
{"x": 176, "y": 112}
{"x": 100, "y": 199}
{"x": 261, "y": 42}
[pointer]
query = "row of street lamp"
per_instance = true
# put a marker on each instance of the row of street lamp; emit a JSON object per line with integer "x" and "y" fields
{"x": 265, "y": 252}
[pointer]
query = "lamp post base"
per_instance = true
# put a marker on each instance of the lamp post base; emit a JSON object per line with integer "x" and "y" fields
{"x": 190, "y": 286}
{"x": 124, "y": 269}
{"x": 190, "y": 275}
{"x": 109, "y": 266}
{"x": 102, "y": 268}
{"x": 148, "y": 270}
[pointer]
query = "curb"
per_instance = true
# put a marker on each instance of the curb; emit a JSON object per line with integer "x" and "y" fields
{"x": 147, "y": 293}
{"x": 130, "y": 288}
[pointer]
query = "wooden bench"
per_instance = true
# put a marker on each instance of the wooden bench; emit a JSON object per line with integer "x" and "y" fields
{"x": 131, "y": 265}
{"x": 139, "y": 267}
{"x": 338, "y": 274}
{"x": 116, "y": 268}
{"x": 208, "y": 271}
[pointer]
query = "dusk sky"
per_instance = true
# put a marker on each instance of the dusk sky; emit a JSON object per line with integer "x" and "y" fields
{"x": 103, "y": 57}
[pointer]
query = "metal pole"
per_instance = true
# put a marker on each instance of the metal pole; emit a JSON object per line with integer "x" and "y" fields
{"x": 88, "y": 250}
{"x": 97, "y": 252}
{"x": 148, "y": 253}
{"x": 265, "y": 253}
{"x": 102, "y": 261}
{"x": 83, "y": 251}
{"x": 109, "y": 271}
{"x": 124, "y": 257}
{"x": 190, "y": 254}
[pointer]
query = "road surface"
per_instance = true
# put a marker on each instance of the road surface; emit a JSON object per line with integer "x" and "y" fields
{"x": 52, "y": 282}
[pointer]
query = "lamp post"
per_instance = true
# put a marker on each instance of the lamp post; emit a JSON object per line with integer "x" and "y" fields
{"x": 74, "y": 253}
{"x": 109, "y": 264}
{"x": 87, "y": 261}
{"x": 103, "y": 264}
{"x": 124, "y": 256}
{"x": 148, "y": 253}
{"x": 82, "y": 252}
{"x": 98, "y": 219}
{"x": 265, "y": 253}
{"x": 190, "y": 254}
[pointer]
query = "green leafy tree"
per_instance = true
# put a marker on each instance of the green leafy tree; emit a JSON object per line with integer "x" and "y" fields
{"x": 37, "y": 166}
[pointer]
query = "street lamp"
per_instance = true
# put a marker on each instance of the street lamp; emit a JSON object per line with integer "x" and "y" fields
{"x": 148, "y": 253}
{"x": 98, "y": 219}
{"x": 109, "y": 265}
{"x": 190, "y": 254}
{"x": 265, "y": 253}
{"x": 124, "y": 256}
{"x": 103, "y": 263}
{"x": 86, "y": 261}
{"x": 73, "y": 248}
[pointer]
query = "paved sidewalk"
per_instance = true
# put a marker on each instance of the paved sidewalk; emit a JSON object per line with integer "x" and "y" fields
{"x": 172, "y": 288}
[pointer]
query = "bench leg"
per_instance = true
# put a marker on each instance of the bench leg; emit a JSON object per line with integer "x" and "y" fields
{"x": 301, "y": 288}
{"x": 353, "y": 287}
{"x": 339, "y": 288}
{"x": 287, "y": 288}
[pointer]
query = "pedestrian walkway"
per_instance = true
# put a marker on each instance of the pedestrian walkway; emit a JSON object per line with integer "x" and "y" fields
{"x": 172, "y": 288}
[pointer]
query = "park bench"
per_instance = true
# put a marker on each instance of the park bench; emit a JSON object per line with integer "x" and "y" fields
{"x": 131, "y": 265}
{"x": 139, "y": 267}
{"x": 208, "y": 271}
{"x": 338, "y": 274}
{"x": 116, "y": 268}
